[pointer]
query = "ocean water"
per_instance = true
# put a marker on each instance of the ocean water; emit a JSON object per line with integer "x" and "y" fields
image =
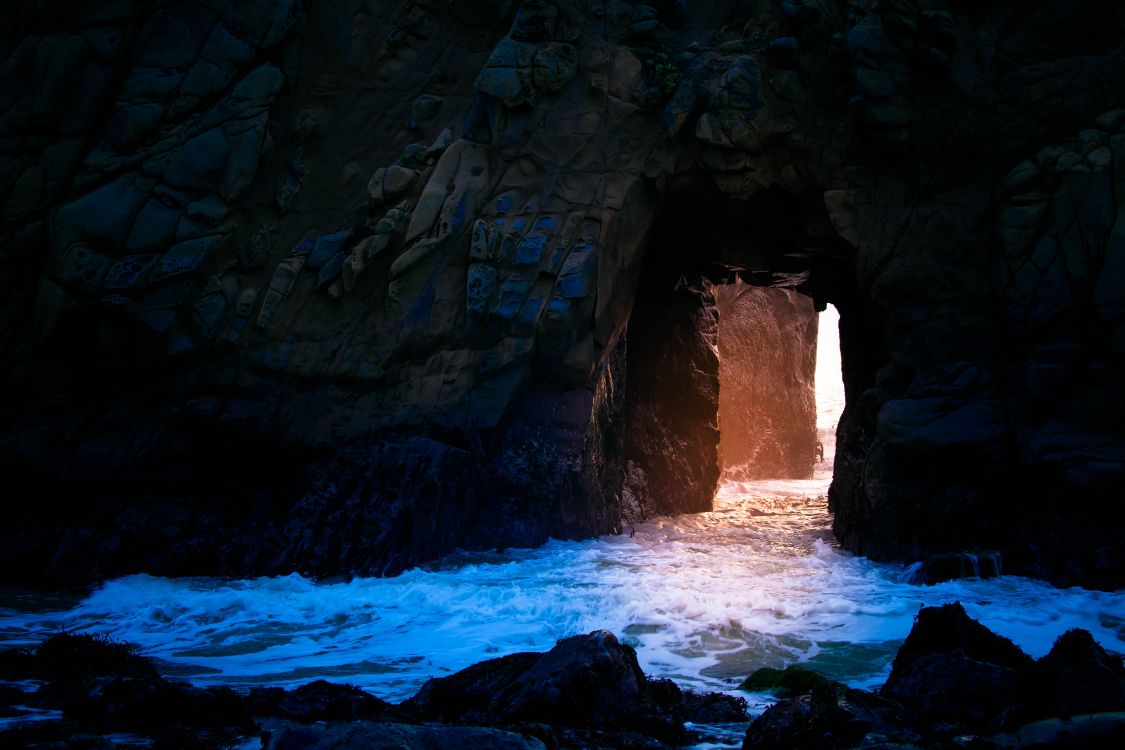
{"x": 706, "y": 599}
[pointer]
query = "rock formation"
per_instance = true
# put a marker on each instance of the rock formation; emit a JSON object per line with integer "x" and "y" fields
{"x": 586, "y": 692}
{"x": 338, "y": 287}
{"x": 954, "y": 678}
{"x": 767, "y": 368}
{"x": 953, "y": 681}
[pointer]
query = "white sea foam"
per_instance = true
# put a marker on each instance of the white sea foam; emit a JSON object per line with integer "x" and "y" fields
{"x": 706, "y": 599}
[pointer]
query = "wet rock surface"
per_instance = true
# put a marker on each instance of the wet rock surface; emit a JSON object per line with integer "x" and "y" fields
{"x": 358, "y": 243}
{"x": 954, "y": 670}
{"x": 588, "y": 691}
{"x": 832, "y": 717}
{"x": 954, "y": 683}
{"x": 587, "y": 683}
{"x": 393, "y": 736}
{"x": 952, "y": 565}
{"x": 784, "y": 683}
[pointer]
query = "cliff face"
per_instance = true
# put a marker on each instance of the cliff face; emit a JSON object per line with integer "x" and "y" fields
{"x": 336, "y": 287}
{"x": 767, "y": 366}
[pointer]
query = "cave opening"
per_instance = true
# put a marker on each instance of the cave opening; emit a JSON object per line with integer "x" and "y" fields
{"x": 720, "y": 357}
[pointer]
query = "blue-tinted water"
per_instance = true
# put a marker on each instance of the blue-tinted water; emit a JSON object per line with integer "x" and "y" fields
{"x": 706, "y": 599}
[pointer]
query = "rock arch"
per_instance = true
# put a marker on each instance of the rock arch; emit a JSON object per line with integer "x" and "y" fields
{"x": 442, "y": 345}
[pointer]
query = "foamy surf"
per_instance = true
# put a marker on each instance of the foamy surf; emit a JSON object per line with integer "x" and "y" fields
{"x": 706, "y": 599}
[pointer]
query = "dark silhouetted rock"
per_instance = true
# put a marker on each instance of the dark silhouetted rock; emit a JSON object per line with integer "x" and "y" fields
{"x": 585, "y": 681}
{"x": 103, "y": 685}
{"x": 1076, "y": 677}
{"x": 953, "y": 565}
{"x": 1083, "y": 732}
{"x": 151, "y": 707}
{"x": 953, "y": 690}
{"x": 667, "y": 461}
{"x": 471, "y": 691}
{"x": 78, "y": 656}
{"x": 391, "y": 736}
{"x": 588, "y": 680}
{"x": 833, "y": 717}
{"x": 317, "y": 701}
{"x": 713, "y": 708}
{"x": 948, "y": 628}
{"x": 586, "y": 692}
{"x": 952, "y": 670}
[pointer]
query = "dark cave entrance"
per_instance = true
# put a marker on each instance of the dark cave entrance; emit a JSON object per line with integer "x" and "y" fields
{"x": 776, "y": 255}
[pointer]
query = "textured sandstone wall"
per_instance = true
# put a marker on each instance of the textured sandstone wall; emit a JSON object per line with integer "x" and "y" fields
{"x": 340, "y": 286}
{"x": 767, "y": 369}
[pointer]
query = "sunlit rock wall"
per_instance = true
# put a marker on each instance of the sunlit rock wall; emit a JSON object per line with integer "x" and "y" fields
{"x": 767, "y": 371}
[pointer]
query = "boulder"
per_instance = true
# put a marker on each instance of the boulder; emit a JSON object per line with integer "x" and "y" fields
{"x": 710, "y": 708}
{"x": 104, "y": 685}
{"x": 392, "y": 736}
{"x": 953, "y": 670}
{"x": 587, "y": 683}
{"x": 833, "y": 717}
{"x": 317, "y": 701}
{"x": 1076, "y": 677}
{"x": 952, "y": 565}
{"x": 588, "y": 680}
{"x": 471, "y": 691}
{"x": 588, "y": 691}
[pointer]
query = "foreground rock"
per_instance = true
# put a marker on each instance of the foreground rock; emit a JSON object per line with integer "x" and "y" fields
{"x": 954, "y": 684}
{"x": 601, "y": 680}
{"x": 1076, "y": 677}
{"x": 833, "y": 717}
{"x": 586, "y": 692}
{"x": 952, "y": 681}
{"x": 953, "y": 670}
{"x": 318, "y": 701}
{"x": 393, "y": 736}
{"x": 585, "y": 682}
